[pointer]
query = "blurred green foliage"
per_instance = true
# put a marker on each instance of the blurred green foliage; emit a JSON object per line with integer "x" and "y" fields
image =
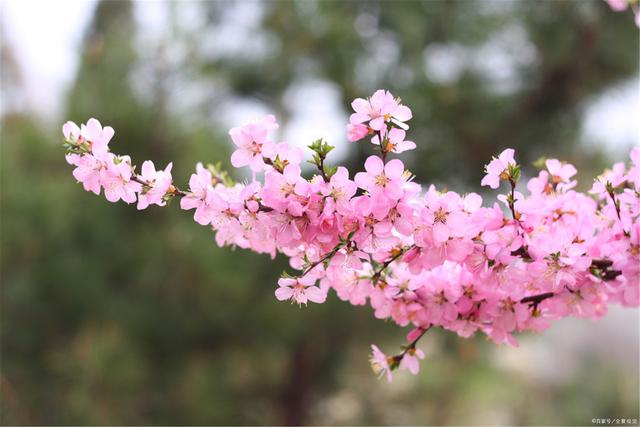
{"x": 114, "y": 316}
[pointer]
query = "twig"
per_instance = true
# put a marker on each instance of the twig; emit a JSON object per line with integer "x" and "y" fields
{"x": 537, "y": 299}
{"x": 172, "y": 190}
{"x": 383, "y": 149}
{"x": 321, "y": 167}
{"x": 398, "y": 357}
{"x": 328, "y": 255}
{"x": 376, "y": 276}
{"x": 512, "y": 201}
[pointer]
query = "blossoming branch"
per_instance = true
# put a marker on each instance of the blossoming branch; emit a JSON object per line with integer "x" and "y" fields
{"x": 422, "y": 259}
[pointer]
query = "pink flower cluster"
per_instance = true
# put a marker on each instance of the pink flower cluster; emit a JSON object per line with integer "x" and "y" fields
{"x": 97, "y": 168}
{"x": 421, "y": 259}
{"x": 384, "y": 117}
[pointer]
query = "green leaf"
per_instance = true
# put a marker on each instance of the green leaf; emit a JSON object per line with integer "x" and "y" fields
{"x": 540, "y": 163}
{"x": 329, "y": 171}
{"x": 514, "y": 171}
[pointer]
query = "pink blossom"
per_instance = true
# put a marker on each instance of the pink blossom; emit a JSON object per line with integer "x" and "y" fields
{"x": 540, "y": 184}
{"x": 381, "y": 108}
{"x": 499, "y": 168}
{"x": 561, "y": 174}
{"x": 411, "y": 360}
{"x": 501, "y": 243}
{"x": 117, "y": 182}
{"x": 395, "y": 141}
{"x": 200, "y": 195}
{"x": 158, "y": 184}
{"x": 251, "y": 140}
{"x": 283, "y": 153}
{"x": 299, "y": 290}
{"x": 380, "y": 178}
{"x": 444, "y": 215}
{"x": 356, "y": 132}
{"x": 338, "y": 192}
{"x": 615, "y": 176}
{"x": 98, "y": 136}
{"x": 285, "y": 191}
{"x": 92, "y": 170}
{"x": 71, "y": 131}
{"x": 88, "y": 171}
{"x": 379, "y": 363}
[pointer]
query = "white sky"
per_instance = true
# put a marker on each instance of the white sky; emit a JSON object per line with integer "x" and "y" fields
{"x": 614, "y": 118}
{"x": 45, "y": 36}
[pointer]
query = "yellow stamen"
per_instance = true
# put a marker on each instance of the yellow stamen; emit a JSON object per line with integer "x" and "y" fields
{"x": 381, "y": 180}
{"x": 441, "y": 216}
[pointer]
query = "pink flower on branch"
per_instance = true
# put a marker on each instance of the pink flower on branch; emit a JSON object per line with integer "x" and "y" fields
{"x": 394, "y": 141}
{"x": 380, "y": 363}
{"x": 382, "y": 179}
{"x": 200, "y": 196}
{"x": 117, "y": 180}
{"x": 252, "y": 143}
{"x": 300, "y": 290}
{"x": 499, "y": 169}
{"x": 378, "y": 110}
{"x": 157, "y": 184}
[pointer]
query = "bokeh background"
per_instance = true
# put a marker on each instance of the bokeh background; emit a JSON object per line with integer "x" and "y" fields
{"x": 114, "y": 316}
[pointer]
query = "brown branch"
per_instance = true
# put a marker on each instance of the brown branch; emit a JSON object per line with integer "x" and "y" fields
{"x": 616, "y": 204}
{"x": 537, "y": 299}
{"x": 376, "y": 276}
{"x": 512, "y": 201}
{"x": 602, "y": 264}
{"x": 615, "y": 201}
{"x": 522, "y": 252}
{"x": 328, "y": 255}
{"x": 611, "y": 274}
{"x": 172, "y": 190}
{"x": 398, "y": 357}
{"x": 175, "y": 191}
{"x": 321, "y": 167}
{"x": 383, "y": 150}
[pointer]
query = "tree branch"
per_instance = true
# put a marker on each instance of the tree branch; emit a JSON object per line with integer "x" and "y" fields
{"x": 376, "y": 277}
